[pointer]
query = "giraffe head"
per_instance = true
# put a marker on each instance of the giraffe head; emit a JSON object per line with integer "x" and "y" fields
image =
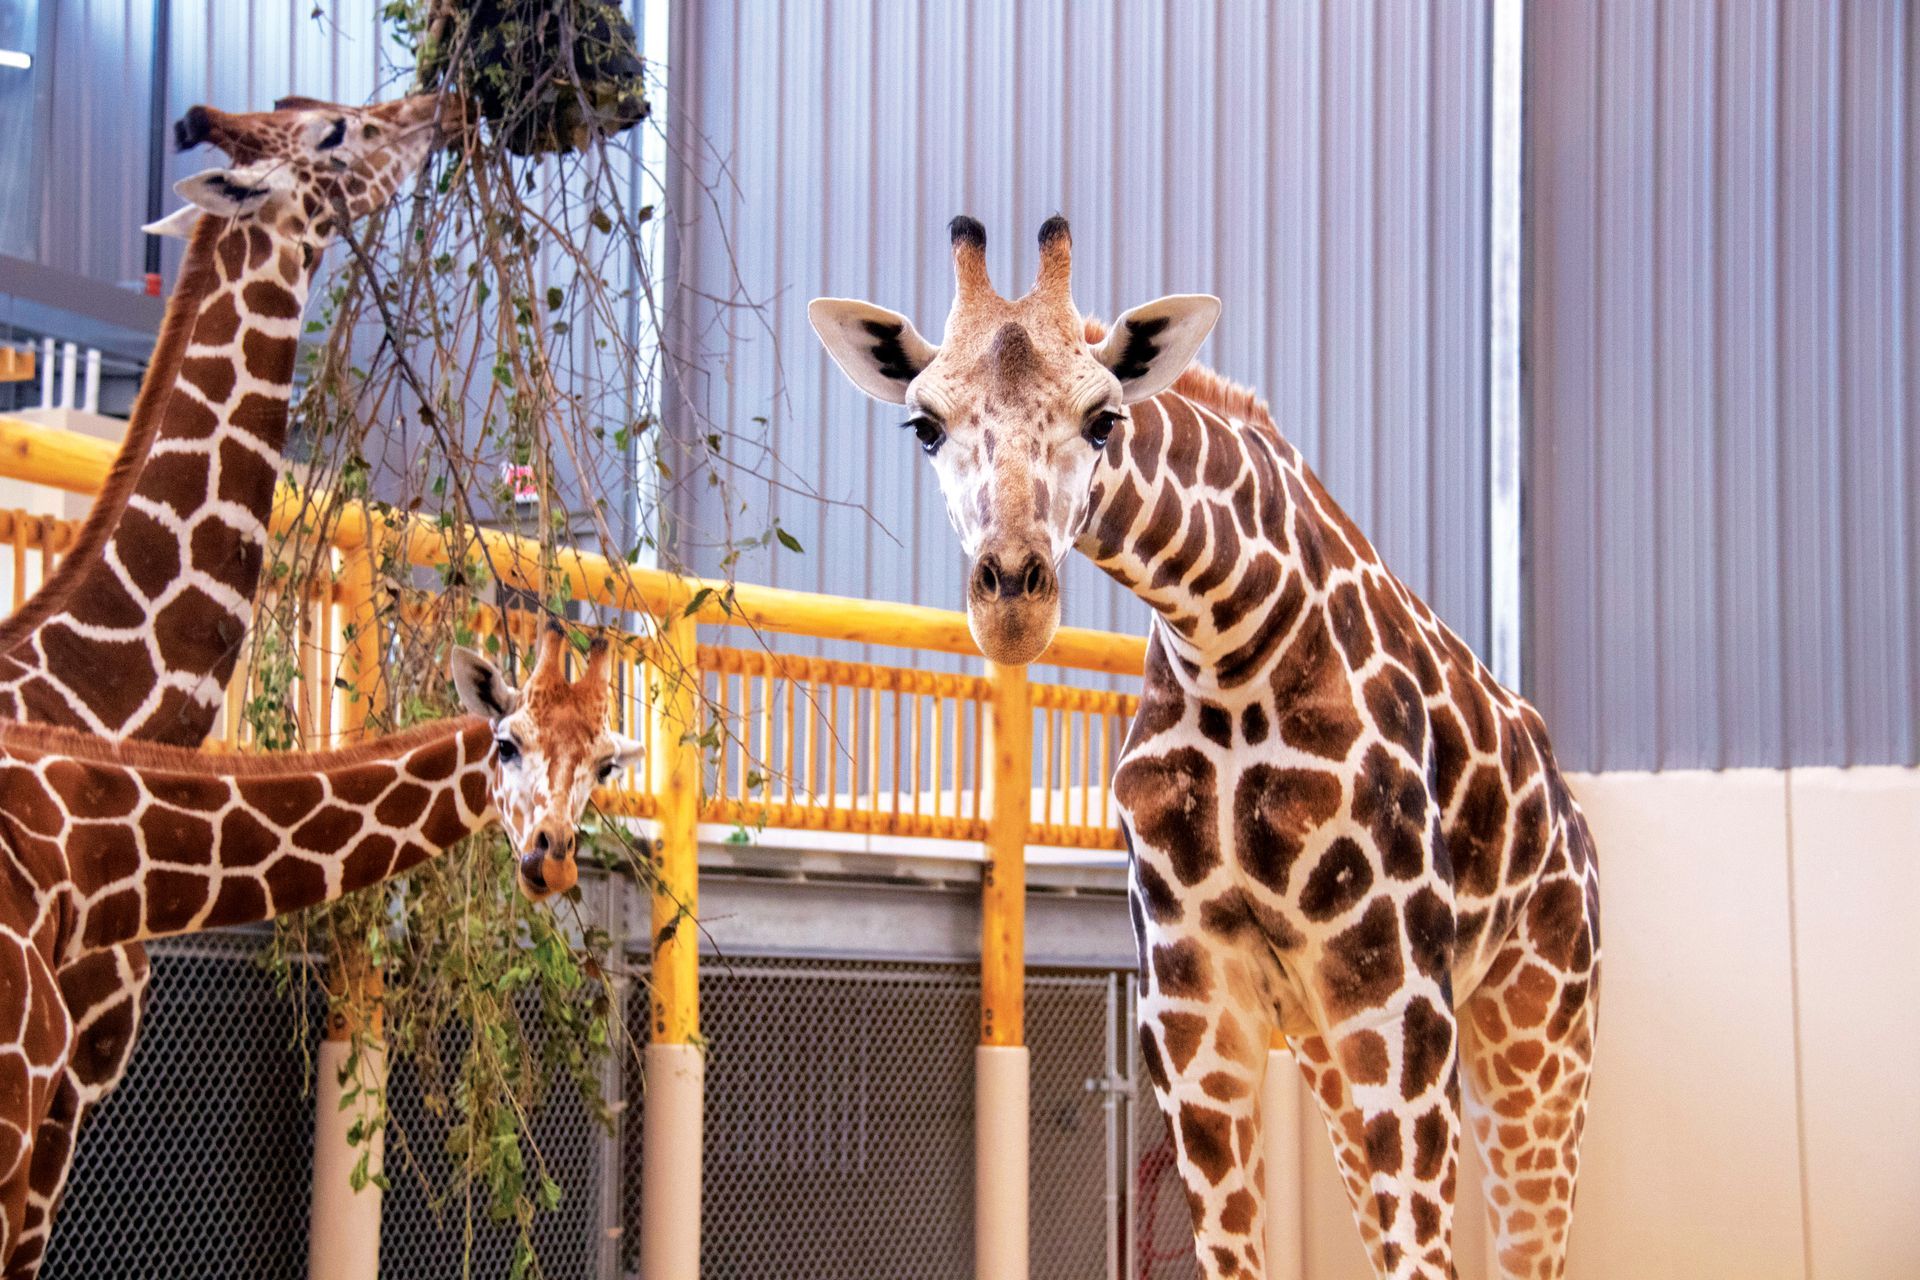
{"x": 1014, "y": 407}
{"x": 552, "y": 746}
{"x": 307, "y": 167}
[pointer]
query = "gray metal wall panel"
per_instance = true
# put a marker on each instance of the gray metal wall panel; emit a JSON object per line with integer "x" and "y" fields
{"x": 1322, "y": 169}
{"x": 1723, "y": 528}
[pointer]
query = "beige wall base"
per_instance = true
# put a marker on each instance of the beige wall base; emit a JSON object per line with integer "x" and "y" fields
{"x": 671, "y": 1165}
{"x": 1000, "y": 1085}
{"x": 343, "y": 1240}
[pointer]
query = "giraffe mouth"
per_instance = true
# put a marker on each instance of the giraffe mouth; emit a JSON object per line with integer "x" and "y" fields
{"x": 533, "y": 876}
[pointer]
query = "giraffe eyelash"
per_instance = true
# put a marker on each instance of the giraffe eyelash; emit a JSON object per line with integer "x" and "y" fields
{"x": 929, "y": 432}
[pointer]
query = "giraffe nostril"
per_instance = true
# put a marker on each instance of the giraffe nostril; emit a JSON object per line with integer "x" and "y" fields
{"x": 986, "y": 577}
{"x": 1035, "y": 580}
{"x": 542, "y": 843}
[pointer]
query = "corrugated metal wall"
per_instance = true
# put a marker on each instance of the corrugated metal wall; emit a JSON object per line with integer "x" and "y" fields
{"x": 1321, "y": 168}
{"x": 1725, "y": 479}
{"x": 96, "y": 61}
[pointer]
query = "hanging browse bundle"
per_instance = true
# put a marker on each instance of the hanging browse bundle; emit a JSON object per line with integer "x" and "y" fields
{"x": 548, "y": 75}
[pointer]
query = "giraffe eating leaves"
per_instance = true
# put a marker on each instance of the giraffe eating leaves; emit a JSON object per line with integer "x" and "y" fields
{"x": 1340, "y": 826}
{"x": 137, "y": 632}
{"x": 112, "y": 843}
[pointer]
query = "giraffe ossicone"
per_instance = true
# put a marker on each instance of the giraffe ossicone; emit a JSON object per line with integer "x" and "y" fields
{"x": 120, "y": 842}
{"x": 1340, "y": 826}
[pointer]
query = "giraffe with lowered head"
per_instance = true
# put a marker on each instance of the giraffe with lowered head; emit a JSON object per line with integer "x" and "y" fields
{"x": 138, "y": 630}
{"x": 1340, "y": 825}
{"x": 113, "y": 843}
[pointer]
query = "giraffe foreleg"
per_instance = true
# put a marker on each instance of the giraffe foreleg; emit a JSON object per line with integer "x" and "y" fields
{"x": 1204, "y": 1030}
{"x": 1527, "y": 1041}
{"x": 1348, "y": 1133}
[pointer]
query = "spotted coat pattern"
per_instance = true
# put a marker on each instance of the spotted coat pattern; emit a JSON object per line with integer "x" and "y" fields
{"x": 137, "y": 632}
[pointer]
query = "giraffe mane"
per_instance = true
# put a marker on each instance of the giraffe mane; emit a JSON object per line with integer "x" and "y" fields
{"x": 57, "y": 740}
{"x": 197, "y": 276}
{"x": 1206, "y": 387}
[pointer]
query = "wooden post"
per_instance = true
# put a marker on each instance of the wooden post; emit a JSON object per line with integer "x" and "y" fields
{"x": 344, "y": 1237}
{"x": 1001, "y": 1068}
{"x": 675, "y": 1061}
{"x": 1280, "y": 1136}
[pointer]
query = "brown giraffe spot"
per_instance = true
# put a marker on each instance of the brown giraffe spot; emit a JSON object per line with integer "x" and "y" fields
{"x": 1474, "y": 710}
{"x": 292, "y": 881}
{"x": 213, "y": 376}
{"x": 98, "y": 793}
{"x": 370, "y": 862}
{"x": 1162, "y": 524}
{"x": 1313, "y": 556}
{"x": 1398, "y": 711}
{"x": 1572, "y": 1002}
{"x": 266, "y": 299}
{"x": 1184, "y": 442}
{"x": 281, "y": 801}
{"x": 1144, "y": 439}
{"x": 1430, "y": 1144}
{"x": 1114, "y": 526}
{"x": 473, "y": 793}
{"x": 177, "y": 479}
{"x": 1150, "y": 1056}
{"x": 148, "y": 552}
{"x": 1390, "y": 801}
{"x": 1312, "y": 697}
{"x": 1339, "y": 881}
{"x": 1556, "y": 924}
{"x": 218, "y": 321}
{"x": 1362, "y": 968}
{"x": 444, "y": 825}
{"x": 1426, "y": 1219}
{"x": 259, "y": 251}
{"x": 1363, "y": 1057}
{"x": 107, "y": 603}
{"x": 1527, "y": 996}
{"x": 241, "y": 900}
{"x": 1254, "y": 591}
{"x": 1171, "y": 799}
{"x": 1174, "y": 569}
{"x": 1530, "y": 836}
{"x": 177, "y": 718}
{"x": 110, "y": 676}
{"x": 1224, "y": 1260}
{"x": 431, "y": 764}
{"x": 246, "y": 478}
{"x": 1236, "y": 1215}
{"x": 174, "y": 836}
{"x": 1350, "y": 625}
{"x": 1206, "y": 1138}
{"x": 1253, "y": 724}
{"x": 1226, "y": 551}
{"x": 1233, "y": 914}
{"x": 263, "y": 417}
{"x": 1516, "y": 753}
{"x": 174, "y": 897}
{"x": 1426, "y": 1047}
{"x": 1244, "y": 663}
{"x": 328, "y": 830}
{"x": 1161, "y": 902}
{"x": 1230, "y": 1041}
{"x": 1184, "y": 1034}
{"x": 1180, "y": 969}
{"x": 183, "y": 791}
{"x": 1223, "y": 1086}
{"x": 1430, "y": 933}
{"x": 113, "y": 919}
{"x": 1467, "y": 927}
{"x": 1274, "y": 811}
{"x": 1383, "y": 1143}
{"x": 1225, "y": 455}
{"x": 232, "y": 253}
{"x": 186, "y": 419}
{"x": 1473, "y": 841}
{"x": 361, "y": 784}
{"x": 402, "y": 806}
{"x": 1216, "y": 724}
{"x": 1451, "y": 754}
{"x": 245, "y": 841}
{"x": 112, "y": 851}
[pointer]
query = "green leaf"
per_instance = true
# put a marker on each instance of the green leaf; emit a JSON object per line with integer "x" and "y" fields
{"x": 787, "y": 540}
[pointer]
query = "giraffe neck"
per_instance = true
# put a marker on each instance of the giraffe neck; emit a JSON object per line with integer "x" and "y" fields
{"x": 139, "y": 629}
{"x": 1223, "y": 530}
{"x": 132, "y": 841}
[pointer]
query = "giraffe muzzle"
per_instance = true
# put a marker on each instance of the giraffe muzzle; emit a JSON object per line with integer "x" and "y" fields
{"x": 550, "y": 867}
{"x": 1013, "y": 604}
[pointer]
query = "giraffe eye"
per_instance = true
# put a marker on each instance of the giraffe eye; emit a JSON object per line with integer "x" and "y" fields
{"x": 335, "y": 136}
{"x": 605, "y": 771}
{"x": 929, "y": 432}
{"x": 1100, "y": 426}
{"x": 369, "y": 131}
{"x": 508, "y": 750}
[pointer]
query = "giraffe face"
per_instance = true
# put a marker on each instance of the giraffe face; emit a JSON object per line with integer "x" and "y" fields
{"x": 307, "y": 168}
{"x": 1014, "y": 409}
{"x": 552, "y": 747}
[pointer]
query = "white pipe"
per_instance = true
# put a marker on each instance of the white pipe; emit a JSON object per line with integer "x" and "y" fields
{"x": 343, "y": 1241}
{"x": 69, "y": 373}
{"x": 1280, "y": 1129}
{"x": 670, "y": 1164}
{"x": 1000, "y": 1082}
{"x": 46, "y": 373}
{"x": 91, "y": 400}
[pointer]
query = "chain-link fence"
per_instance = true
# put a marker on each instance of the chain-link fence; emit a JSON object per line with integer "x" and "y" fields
{"x": 839, "y": 1136}
{"x": 1159, "y": 1226}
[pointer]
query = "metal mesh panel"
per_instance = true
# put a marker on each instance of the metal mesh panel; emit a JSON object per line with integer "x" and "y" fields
{"x": 199, "y": 1164}
{"x": 1074, "y": 1117}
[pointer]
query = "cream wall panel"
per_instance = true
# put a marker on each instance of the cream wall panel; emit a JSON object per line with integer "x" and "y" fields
{"x": 1856, "y": 889}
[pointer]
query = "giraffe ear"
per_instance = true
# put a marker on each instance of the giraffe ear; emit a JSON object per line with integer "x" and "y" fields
{"x": 1150, "y": 346}
{"x": 179, "y": 223}
{"x": 483, "y": 691}
{"x": 878, "y": 349}
{"x": 232, "y": 193}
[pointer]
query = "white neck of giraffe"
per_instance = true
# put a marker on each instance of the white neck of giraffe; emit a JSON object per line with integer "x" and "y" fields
{"x": 191, "y": 851}
{"x": 1217, "y": 526}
